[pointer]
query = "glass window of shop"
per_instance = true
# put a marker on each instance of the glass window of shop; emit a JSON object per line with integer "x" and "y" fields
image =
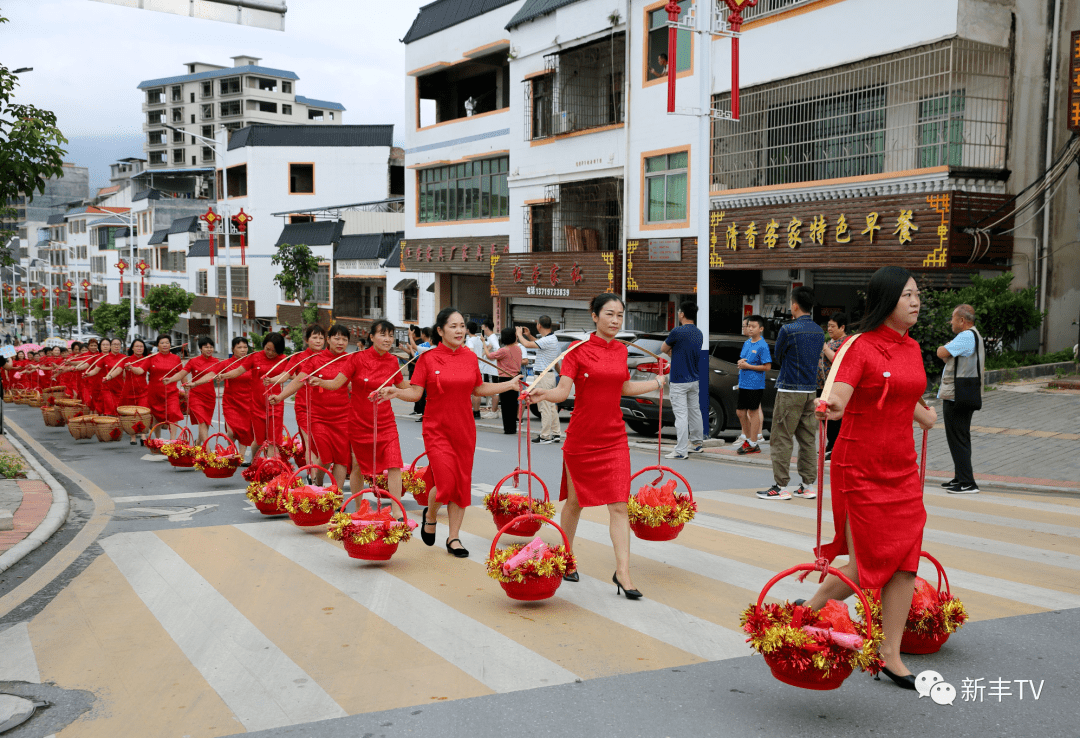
{"x": 468, "y": 191}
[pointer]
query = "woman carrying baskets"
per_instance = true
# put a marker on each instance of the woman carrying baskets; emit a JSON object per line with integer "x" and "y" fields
{"x": 266, "y": 419}
{"x": 136, "y": 390}
{"x": 596, "y": 454}
{"x": 236, "y": 398}
{"x": 315, "y": 343}
{"x": 112, "y": 383}
{"x": 877, "y": 499}
{"x": 163, "y": 396}
{"x": 450, "y": 374}
{"x": 202, "y": 398}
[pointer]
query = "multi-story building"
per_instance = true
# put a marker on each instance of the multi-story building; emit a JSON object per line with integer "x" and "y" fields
{"x": 32, "y": 214}
{"x": 910, "y": 143}
{"x": 209, "y": 98}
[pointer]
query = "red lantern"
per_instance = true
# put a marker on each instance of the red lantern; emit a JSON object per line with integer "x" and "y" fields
{"x": 56, "y": 292}
{"x": 241, "y": 220}
{"x": 22, "y": 293}
{"x": 68, "y": 284}
{"x": 85, "y": 284}
{"x": 143, "y": 268}
{"x": 121, "y": 265}
{"x": 211, "y": 219}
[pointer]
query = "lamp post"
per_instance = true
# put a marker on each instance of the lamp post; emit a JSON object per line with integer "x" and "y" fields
{"x": 226, "y": 221}
{"x": 127, "y": 219}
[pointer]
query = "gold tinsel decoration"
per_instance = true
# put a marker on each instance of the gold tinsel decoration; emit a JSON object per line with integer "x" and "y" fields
{"x": 515, "y": 504}
{"x": 654, "y": 517}
{"x": 342, "y": 525}
{"x": 330, "y": 499}
{"x": 770, "y": 631}
{"x": 556, "y": 561}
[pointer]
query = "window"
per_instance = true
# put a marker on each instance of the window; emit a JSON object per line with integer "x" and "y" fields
{"x": 178, "y": 136}
{"x": 177, "y": 93}
{"x": 658, "y": 52}
{"x": 542, "y": 227}
{"x": 193, "y": 119}
{"x": 410, "y": 303}
{"x": 97, "y": 264}
{"x": 301, "y": 218}
{"x": 302, "y": 179}
{"x": 473, "y": 87}
{"x": 314, "y": 114}
{"x": 207, "y": 153}
{"x": 237, "y": 181}
{"x": 172, "y": 261}
{"x": 229, "y": 86}
{"x": 208, "y": 131}
{"x": 468, "y": 191}
{"x": 200, "y": 282}
{"x": 178, "y": 156}
{"x": 80, "y": 252}
{"x": 230, "y": 109}
{"x": 157, "y": 138}
{"x": 262, "y": 107}
{"x": 583, "y": 216}
{"x": 583, "y": 89}
{"x": 239, "y": 281}
{"x": 262, "y": 83}
{"x": 665, "y": 188}
{"x": 321, "y": 285}
{"x": 286, "y": 87}
{"x": 157, "y": 158}
{"x": 331, "y": 115}
{"x": 156, "y": 117}
{"x": 542, "y": 97}
{"x": 177, "y": 115}
{"x": 207, "y": 89}
{"x": 286, "y": 109}
{"x": 155, "y": 96}
{"x": 192, "y": 97}
{"x": 941, "y": 131}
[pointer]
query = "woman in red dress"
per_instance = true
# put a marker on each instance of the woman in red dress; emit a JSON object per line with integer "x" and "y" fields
{"x": 596, "y": 454}
{"x": 451, "y": 375}
{"x": 162, "y": 396}
{"x": 328, "y": 408}
{"x": 236, "y": 398}
{"x": 89, "y": 386}
{"x": 136, "y": 389}
{"x": 112, "y": 383}
{"x": 877, "y": 499}
{"x": 202, "y": 398}
{"x": 266, "y": 419}
{"x": 315, "y": 343}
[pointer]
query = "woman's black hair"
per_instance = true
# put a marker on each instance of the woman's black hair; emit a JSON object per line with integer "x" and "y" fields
{"x": 440, "y": 322}
{"x": 203, "y": 340}
{"x": 840, "y": 319}
{"x": 337, "y": 329}
{"x": 379, "y": 326}
{"x": 600, "y": 301}
{"x": 508, "y": 336}
{"x": 75, "y": 345}
{"x": 239, "y": 340}
{"x": 131, "y": 348}
{"x": 163, "y": 336}
{"x": 882, "y": 294}
{"x": 277, "y": 340}
{"x": 415, "y": 331}
{"x": 314, "y": 329}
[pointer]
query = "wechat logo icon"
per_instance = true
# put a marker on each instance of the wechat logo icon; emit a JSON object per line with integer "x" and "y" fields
{"x": 933, "y": 685}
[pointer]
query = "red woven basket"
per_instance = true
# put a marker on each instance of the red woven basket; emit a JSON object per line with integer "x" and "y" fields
{"x": 315, "y": 517}
{"x": 664, "y": 531}
{"x": 264, "y": 468}
{"x": 186, "y": 459}
{"x": 812, "y": 678}
{"x": 155, "y": 444}
{"x": 534, "y": 588}
{"x": 234, "y": 458}
{"x": 918, "y": 643}
{"x": 300, "y": 455}
{"x": 376, "y": 550}
{"x": 277, "y": 505}
{"x": 421, "y": 498}
{"x": 523, "y": 528}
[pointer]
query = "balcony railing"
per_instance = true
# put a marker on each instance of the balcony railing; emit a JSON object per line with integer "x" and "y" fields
{"x": 583, "y": 89}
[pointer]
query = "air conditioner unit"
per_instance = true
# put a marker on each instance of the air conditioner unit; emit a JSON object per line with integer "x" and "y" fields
{"x": 564, "y": 122}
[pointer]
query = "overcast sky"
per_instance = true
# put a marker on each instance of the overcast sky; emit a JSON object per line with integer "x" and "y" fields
{"x": 89, "y": 57}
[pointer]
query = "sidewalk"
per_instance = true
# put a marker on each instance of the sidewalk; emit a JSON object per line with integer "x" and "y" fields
{"x": 31, "y": 509}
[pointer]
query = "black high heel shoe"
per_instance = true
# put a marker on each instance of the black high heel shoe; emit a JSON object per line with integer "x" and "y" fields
{"x": 633, "y": 594}
{"x": 906, "y": 682}
{"x": 427, "y": 538}
{"x": 571, "y": 577}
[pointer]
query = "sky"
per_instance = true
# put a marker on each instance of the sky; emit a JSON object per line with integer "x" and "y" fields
{"x": 89, "y": 57}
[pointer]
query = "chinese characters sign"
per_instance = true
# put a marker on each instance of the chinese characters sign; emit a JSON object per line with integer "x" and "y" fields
{"x": 570, "y": 275}
{"x": 460, "y": 255}
{"x": 1072, "y": 116}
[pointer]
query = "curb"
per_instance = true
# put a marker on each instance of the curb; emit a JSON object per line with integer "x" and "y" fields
{"x": 55, "y": 518}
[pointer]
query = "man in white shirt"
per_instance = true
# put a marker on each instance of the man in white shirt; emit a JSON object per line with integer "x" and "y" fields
{"x": 547, "y": 350}
{"x": 475, "y": 344}
{"x": 492, "y": 340}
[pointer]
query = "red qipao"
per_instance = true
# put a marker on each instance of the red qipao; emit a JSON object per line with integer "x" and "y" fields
{"x": 111, "y": 389}
{"x": 136, "y": 390}
{"x": 449, "y": 428}
{"x": 202, "y": 399}
{"x": 91, "y": 386}
{"x": 596, "y": 455}
{"x": 367, "y": 371}
{"x": 236, "y": 405}
{"x": 302, "y": 399}
{"x": 875, "y": 477}
{"x": 266, "y": 419}
{"x": 329, "y": 409}
{"x": 164, "y": 400}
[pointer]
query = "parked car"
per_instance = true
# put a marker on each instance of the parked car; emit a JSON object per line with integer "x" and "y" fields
{"x": 642, "y": 412}
{"x": 567, "y": 337}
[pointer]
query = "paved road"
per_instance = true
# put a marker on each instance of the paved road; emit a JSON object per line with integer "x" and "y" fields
{"x": 169, "y": 607}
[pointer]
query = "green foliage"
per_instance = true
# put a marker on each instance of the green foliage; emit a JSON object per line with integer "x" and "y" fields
{"x": 1016, "y": 359}
{"x": 16, "y": 307}
{"x": 297, "y": 268}
{"x": 165, "y": 303}
{"x": 114, "y": 319}
{"x": 64, "y": 317}
{"x": 36, "y": 310}
{"x": 30, "y": 147}
{"x": 11, "y": 466}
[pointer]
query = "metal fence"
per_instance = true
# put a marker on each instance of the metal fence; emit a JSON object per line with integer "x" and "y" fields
{"x": 945, "y": 104}
{"x": 576, "y": 216}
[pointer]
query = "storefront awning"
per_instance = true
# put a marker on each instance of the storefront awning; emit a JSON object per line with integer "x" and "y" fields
{"x": 404, "y": 285}
{"x": 431, "y": 287}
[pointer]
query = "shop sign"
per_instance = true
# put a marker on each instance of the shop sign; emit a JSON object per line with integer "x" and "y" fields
{"x": 574, "y": 275}
{"x": 665, "y": 249}
{"x": 1073, "y": 114}
{"x": 451, "y": 254}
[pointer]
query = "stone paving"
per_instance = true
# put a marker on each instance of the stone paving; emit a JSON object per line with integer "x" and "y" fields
{"x": 28, "y": 500}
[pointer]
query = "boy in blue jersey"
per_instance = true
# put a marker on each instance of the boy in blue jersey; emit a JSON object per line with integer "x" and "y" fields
{"x": 754, "y": 361}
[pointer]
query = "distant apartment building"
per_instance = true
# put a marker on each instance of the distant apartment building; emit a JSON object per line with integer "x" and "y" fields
{"x": 209, "y": 98}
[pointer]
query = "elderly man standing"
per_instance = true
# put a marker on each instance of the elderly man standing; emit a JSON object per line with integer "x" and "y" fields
{"x": 547, "y": 350}
{"x": 961, "y": 395}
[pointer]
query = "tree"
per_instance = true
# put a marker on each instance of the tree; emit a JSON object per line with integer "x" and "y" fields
{"x": 165, "y": 303}
{"x": 109, "y": 318}
{"x": 30, "y": 149}
{"x": 64, "y": 317}
{"x": 297, "y": 268}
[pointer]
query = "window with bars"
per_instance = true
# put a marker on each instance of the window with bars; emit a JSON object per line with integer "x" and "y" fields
{"x": 229, "y": 86}
{"x": 99, "y": 294}
{"x": 359, "y": 299}
{"x": 468, "y": 191}
{"x": 97, "y": 264}
{"x": 576, "y": 216}
{"x": 230, "y": 108}
{"x": 665, "y": 187}
{"x": 201, "y": 282}
{"x": 658, "y": 53}
{"x": 583, "y": 89}
{"x": 320, "y": 285}
{"x": 157, "y": 158}
{"x": 207, "y": 89}
{"x": 239, "y": 281}
{"x": 173, "y": 261}
{"x": 410, "y": 303}
{"x": 155, "y": 96}
{"x": 941, "y": 104}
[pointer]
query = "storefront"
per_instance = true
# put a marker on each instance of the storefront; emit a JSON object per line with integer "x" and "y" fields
{"x": 208, "y": 316}
{"x": 560, "y": 285}
{"x": 462, "y": 269}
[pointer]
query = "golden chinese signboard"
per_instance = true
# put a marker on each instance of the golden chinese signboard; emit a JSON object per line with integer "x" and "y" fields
{"x": 460, "y": 255}
{"x": 574, "y": 275}
{"x": 1073, "y": 114}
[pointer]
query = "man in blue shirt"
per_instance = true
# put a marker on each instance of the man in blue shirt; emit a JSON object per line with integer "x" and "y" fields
{"x": 684, "y": 345}
{"x": 964, "y": 357}
{"x": 798, "y": 346}
{"x": 754, "y": 361}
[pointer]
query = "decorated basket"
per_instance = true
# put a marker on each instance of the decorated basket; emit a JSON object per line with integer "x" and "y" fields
{"x": 54, "y": 393}
{"x": 9, "y": 397}
{"x": 659, "y": 513}
{"x": 807, "y": 648}
{"x": 370, "y": 535}
{"x": 934, "y": 614}
{"x": 505, "y": 505}
{"x": 71, "y": 408}
{"x": 34, "y": 398}
{"x": 263, "y": 468}
{"x": 299, "y": 455}
{"x": 134, "y": 419}
{"x": 52, "y": 416}
{"x": 81, "y": 427}
{"x": 531, "y": 571}
{"x": 155, "y": 444}
{"x": 268, "y": 496}
{"x": 222, "y": 462}
{"x": 107, "y": 428}
{"x": 414, "y": 481}
{"x": 310, "y": 505}
{"x": 181, "y": 452}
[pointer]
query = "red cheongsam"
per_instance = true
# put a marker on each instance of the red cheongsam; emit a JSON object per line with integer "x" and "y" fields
{"x": 266, "y": 419}
{"x": 202, "y": 399}
{"x": 329, "y": 409}
{"x": 164, "y": 400}
{"x": 368, "y": 371}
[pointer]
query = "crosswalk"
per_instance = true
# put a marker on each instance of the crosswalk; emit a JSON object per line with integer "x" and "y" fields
{"x": 232, "y": 628}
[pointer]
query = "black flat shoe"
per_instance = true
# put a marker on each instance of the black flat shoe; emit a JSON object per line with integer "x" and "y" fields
{"x": 631, "y": 594}
{"x": 463, "y": 553}
{"x": 427, "y": 538}
{"x": 571, "y": 577}
{"x": 907, "y": 681}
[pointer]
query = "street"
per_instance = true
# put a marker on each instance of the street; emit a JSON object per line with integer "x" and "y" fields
{"x": 169, "y": 606}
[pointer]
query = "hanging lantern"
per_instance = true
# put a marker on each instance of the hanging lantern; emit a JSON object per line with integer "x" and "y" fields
{"x": 143, "y": 268}
{"x": 85, "y": 284}
{"x": 21, "y": 291}
{"x": 121, "y": 265}
{"x": 241, "y": 220}
{"x": 56, "y": 293}
{"x": 211, "y": 219}
{"x": 68, "y": 284}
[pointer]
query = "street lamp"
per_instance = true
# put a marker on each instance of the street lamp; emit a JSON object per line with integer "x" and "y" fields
{"x": 20, "y": 70}
{"x": 226, "y": 221}
{"x": 127, "y": 219}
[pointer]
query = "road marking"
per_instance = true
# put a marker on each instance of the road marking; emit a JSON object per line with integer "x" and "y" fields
{"x": 1004, "y": 501}
{"x": 489, "y": 450}
{"x": 648, "y": 617}
{"x": 19, "y": 663}
{"x": 252, "y": 676}
{"x": 481, "y": 652}
{"x": 178, "y": 496}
